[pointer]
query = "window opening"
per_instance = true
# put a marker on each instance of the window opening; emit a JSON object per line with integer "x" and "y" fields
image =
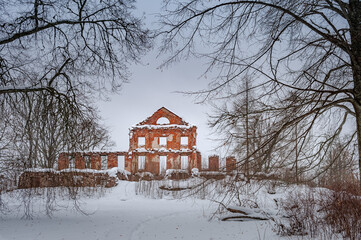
{"x": 141, "y": 162}
{"x": 71, "y": 162}
{"x": 184, "y": 141}
{"x": 162, "y": 164}
{"x": 121, "y": 162}
{"x": 184, "y": 162}
{"x": 141, "y": 141}
{"x": 163, "y": 141}
{"x": 104, "y": 162}
{"x": 163, "y": 120}
{"x": 87, "y": 161}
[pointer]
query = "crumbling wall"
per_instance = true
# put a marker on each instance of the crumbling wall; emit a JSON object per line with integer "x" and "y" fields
{"x": 95, "y": 160}
{"x": 63, "y": 161}
{"x": 152, "y": 161}
{"x": 173, "y": 148}
{"x": 163, "y": 112}
{"x": 112, "y": 160}
{"x": 213, "y": 164}
{"x": 172, "y": 133}
{"x": 65, "y": 179}
{"x": 231, "y": 163}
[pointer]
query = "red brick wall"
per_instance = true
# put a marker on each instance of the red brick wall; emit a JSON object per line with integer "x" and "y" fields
{"x": 152, "y": 146}
{"x": 199, "y": 161}
{"x": 173, "y": 135}
{"x": 112, "y": 160}
{"x": 79, "y": 161}
{"x": 128, "y": 163}
{"x": 230, "y": 164}
{"x": 68, "y": 179}
{"x": 63, "y": 161}
{"x": 95, "y": 161}
{"x": 173, "y": 161}
{"x": 213, "y": 163}
{"x": 152, "y": 135}
{"x": 163, "y": 112}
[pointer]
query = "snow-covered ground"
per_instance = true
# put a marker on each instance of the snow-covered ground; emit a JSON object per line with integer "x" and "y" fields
{"x": 121, "y": 214}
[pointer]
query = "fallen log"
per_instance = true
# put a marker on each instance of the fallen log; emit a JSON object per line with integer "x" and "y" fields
{"x": 173, "y": 188}
{"x": 243, "y": 218}
{"x": 232, "y": 210}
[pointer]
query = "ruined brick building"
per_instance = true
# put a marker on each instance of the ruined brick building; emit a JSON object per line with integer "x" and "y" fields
{"x": 162, "y": 141}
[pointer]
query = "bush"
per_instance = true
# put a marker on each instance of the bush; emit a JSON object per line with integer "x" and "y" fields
{"x": 322, "y": 213}
{"x": 342, "y": 211}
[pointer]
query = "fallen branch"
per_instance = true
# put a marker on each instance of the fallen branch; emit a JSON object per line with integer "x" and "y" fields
{"x": 243, "y": 218}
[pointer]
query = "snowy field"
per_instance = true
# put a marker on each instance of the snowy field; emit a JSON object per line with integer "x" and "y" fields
{"x": 121, "y": 214}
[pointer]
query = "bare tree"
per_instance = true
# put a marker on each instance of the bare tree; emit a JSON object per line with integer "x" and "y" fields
{"x": 90, "y": 135}
{"x": 246, "y": 131}
{"x": 339, "y": 165}
{"x": 54, "y": 57}
{"x": 304, "y": 58}
{"x": 43, "y": 127}
{"x": 242, "y": 131}
{"x": 57, "y": 46}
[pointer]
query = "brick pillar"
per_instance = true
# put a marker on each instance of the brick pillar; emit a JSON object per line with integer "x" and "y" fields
{"x": 63, "y": 161}
{"x": 195, "y": 161}
{"x": 213, "y": 163}
{"x": 79, "y": 161}
{"x": 199, "y": 161}
{"x": 192, "y": 159}
{"x": 112, "y": 160}
{"x": 128, "y": 162}
{"x": 95, "y": 161}
{"x": 230, "y": 163}
{"x": 134, "y": 163}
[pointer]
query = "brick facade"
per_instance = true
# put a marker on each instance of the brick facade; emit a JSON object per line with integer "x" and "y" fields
{"x": 162, "y": 141}
{"x": 167, "y": 141}
{"x": 171, "y": 149}
{"x": 67, "y": 179}
{"x": 94, "y": 160}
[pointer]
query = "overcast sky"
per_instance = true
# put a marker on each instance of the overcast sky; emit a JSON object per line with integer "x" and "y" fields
{"x": 150, "y": 89}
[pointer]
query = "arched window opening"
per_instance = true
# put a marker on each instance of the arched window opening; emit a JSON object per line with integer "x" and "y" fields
{"x": 163, "y": 120}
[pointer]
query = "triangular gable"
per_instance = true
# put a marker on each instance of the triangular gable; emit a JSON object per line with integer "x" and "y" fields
{"x": 163, "y": 112}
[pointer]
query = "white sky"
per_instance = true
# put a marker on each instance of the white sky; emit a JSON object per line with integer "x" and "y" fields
{"x": 150, "y": 89}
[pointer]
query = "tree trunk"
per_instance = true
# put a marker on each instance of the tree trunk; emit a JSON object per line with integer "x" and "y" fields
{"x": 247, "y": 133}
{"x": 355, "y": 57}
{"x": 358, "y": 124}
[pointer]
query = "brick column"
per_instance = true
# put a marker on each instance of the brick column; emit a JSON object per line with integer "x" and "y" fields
{"x": 112, "y": 160}
{"x": 128, "y": 162}
{"x": 95, "y": 161}
{"x": 230, "y": 163}
{"x": 199, "y": 161}
{"x": 79, "y": 161}
{"x": 213, "y": 163}
{"x": 63, "y": 161}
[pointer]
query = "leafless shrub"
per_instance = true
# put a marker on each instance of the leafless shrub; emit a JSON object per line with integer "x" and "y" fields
{"x": 301, "y": 211}
{"x": 342, "y": 211}
{"x": 149, "y": 188}
{"x": 49, "y": 200}
{"x": 351, "y": 186}
{"x": 193, "y": 187}
{"x": 322, "y": 213}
